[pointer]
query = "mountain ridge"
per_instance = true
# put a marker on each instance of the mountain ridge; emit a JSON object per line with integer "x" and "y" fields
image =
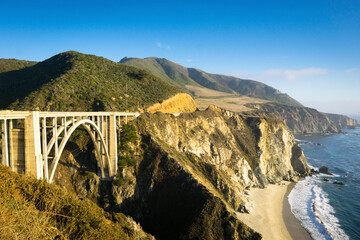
{"x": 12, "y": 64}
{"x": 181, "y": 76}
{"x": 230, "y": 92}
{"x": 73, "y": 81}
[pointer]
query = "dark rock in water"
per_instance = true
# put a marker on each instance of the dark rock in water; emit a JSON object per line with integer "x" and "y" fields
{"x": 318, "y": 144}
{"x": 326, "y": 180}
{"x": 314, "y": 171}
{"x": 338, "y": 183}
{"x": 325, "y": 170}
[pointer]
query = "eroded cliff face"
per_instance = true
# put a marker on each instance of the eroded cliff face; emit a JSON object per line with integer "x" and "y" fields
{"x": 300, "y": 120}
{"x": 342, "y": 121}
{"x": 193, "y": 171}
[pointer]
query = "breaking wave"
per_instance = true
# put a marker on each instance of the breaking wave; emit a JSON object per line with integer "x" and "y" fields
{"x": 310, "y": 204}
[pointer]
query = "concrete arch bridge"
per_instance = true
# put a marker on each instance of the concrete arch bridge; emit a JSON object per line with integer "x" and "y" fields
{"x": 33, "y": 141}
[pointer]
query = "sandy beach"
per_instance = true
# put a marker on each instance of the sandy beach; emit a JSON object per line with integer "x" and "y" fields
{"x": 271, "y": 211}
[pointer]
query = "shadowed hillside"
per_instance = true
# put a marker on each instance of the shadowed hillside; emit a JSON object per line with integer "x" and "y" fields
{"x": 74, "y": 81}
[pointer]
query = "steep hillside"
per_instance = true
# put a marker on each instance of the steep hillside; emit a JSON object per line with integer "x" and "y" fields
{"x": 241, "y": 95}
{"x": 34, "y": 209}
{"x": 73, "y": 81}
{"x": 256, "y": 89}
{"x": 7, "y": 65}
{"x": 191, "y": 172}
{"x": 300, "y": 120}
{"x": 183, "y": 77}
{"x": 342, "y": 121}
{"x": 175, "y": 73}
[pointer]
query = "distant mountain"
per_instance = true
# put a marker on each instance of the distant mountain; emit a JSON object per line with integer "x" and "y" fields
{"x": 301, "y": 120}
{"x": 187, "y": 78}
{"x": 342, "y": 121}
{"x": 12, "y": 64}
{"x": 73, "y": 81}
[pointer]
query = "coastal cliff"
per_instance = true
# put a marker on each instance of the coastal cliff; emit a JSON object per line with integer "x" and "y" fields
{"x": 301, "y": 120}
{"x": 186, "y": 176}
{"x": 192, "y": 172}
{"x": 342, "y": 121}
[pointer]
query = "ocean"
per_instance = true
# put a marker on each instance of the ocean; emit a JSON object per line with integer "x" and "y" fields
{"x": 327, "y": 210}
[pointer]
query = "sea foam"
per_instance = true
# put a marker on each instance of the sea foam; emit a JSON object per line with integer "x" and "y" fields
{"x": 310, "y": 204}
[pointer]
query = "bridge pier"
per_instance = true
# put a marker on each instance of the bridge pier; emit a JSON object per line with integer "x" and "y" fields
{"x": 5, "y": 150}
{"x": 113, "y": 144}
{"x": 33, "y": 157}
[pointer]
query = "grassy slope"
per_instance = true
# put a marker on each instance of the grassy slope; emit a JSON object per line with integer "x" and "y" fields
{"x": 35, "y": 209}
{"x": 175, "y": 74}
{"x": 256, "y": 89}
{"x": 7, "y": 65}
{"x": 72, "y": 81}
{"x": 181, "y": 76}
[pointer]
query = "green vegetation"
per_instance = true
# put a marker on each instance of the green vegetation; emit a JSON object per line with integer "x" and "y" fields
{"x": 127, "y": 135}
{"x": 181, "y": 77}
{"x": 7, "y": 65}
{"x": 35, "y": 209}
{"x": 72, "y": 81}
{"x": 174, "y": 73}
{"x": 126, "y": 161}
{"x": 127, "y": 156}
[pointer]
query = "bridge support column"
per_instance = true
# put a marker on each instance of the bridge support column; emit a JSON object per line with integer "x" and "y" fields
{"x": 113, "y": 145}
{"x": 33, "y": 158}
{"x": 5, "y": 147}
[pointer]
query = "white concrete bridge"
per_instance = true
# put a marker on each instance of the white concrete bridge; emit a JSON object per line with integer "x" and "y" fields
{"x": 32, "y": 141}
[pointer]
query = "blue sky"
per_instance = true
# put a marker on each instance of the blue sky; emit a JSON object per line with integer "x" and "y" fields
{"x": 308, "y": 49}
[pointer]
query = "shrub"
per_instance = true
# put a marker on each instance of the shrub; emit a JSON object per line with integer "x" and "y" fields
{"x": 126, "y": 161}
{"x": 127, "y": 135}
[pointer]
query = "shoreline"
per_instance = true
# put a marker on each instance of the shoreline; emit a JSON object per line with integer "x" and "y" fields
{"x": 271, "y": 215}
{"x": 293, "y": 225}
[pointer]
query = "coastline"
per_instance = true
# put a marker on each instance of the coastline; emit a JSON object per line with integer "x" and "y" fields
{"x": 271, "y": 215}
{"x": 293, "y": 225}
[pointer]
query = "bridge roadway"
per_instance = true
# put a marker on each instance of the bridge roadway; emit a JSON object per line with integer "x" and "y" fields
{"x": 32, "y": 141}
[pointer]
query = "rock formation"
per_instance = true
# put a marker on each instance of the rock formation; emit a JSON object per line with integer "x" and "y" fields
{"x": 325, "y": 170}
{"x": 193, "y": 171}
{"x": 342, "y": 121}
{"x": 301, "y": 120}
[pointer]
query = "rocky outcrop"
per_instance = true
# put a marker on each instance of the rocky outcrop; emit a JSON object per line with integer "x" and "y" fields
{"x": 301, "y": 120}
{"x": 342, "y": 121}
{"x": 181, "y": 102}
{"x": 193, "y": 171}
{"x": 325, "y": 170}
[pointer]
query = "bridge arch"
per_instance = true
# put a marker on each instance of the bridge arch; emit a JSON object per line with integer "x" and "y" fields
{"x": 92, "y": 129}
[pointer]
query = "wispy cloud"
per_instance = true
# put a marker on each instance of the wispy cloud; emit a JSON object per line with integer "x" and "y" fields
{"x": 281, "y": 74}
{"x": 160, "y": 45}
{"x": 353, "y": 71}
{"x": 290, "y": 74}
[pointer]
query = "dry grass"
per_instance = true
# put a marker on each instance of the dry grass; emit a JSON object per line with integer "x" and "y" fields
{"x": 34, "y": 209}
{"x": 235, "y": 104}
{"x": 206, "y": 92}
{"x": 230, "y": 101}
